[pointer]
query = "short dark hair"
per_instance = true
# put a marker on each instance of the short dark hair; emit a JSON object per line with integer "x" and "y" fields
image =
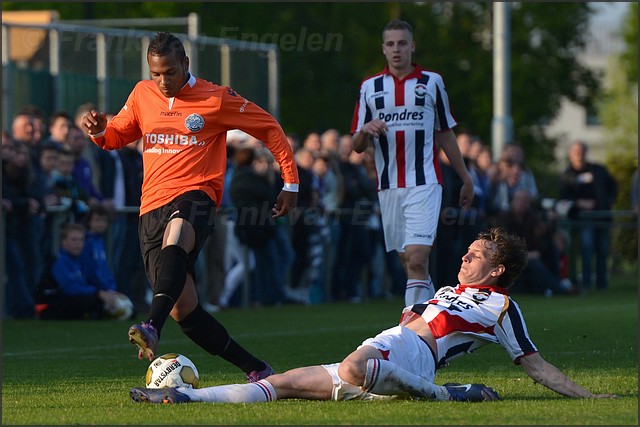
{"x": 397, "y": 24}
{"x": 56, "y": 115}
{"x": 510, "y": 251}
{"x": 96, "y": 210}
{"x": 165, "y": 43}
{"x": 69, "y": 227}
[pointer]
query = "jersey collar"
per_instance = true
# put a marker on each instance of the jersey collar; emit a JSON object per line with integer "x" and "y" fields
{"x": 490, "y": 288}
{"x": 415, "y": 74}
{"x": 192, "y": 80}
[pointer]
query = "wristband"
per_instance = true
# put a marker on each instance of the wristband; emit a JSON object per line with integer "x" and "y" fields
{"x": 290, "y": 187}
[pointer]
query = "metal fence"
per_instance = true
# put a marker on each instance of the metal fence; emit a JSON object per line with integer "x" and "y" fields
{"x": 60, "y": 66}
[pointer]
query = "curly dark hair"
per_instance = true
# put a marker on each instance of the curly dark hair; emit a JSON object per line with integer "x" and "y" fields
{"x": 165, "y": 43}
{"x": 509, "y": 250}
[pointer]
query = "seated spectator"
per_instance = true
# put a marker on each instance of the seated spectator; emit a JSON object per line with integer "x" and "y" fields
{"x": 95, "y": 252}
{"x": 541, "y": 274}
{"x": 70, "y": 288}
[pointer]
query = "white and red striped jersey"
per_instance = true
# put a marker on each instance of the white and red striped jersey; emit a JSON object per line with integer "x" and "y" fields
{"x": 465, "y": 318}
{"x": 413, "y": 109}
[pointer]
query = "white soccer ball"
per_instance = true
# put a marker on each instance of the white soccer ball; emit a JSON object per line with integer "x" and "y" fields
{"x": 172, "y": 370}
{"x": 123, "y": 308}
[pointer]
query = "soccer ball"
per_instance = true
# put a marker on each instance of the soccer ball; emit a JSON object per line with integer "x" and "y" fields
{"x": 172, "y": 370}
{"x": 122, "y": 310}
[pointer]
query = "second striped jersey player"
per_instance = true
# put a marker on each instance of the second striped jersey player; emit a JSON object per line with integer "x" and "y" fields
{"x": 412, "y": 109}
{"x": 404, "y": 113}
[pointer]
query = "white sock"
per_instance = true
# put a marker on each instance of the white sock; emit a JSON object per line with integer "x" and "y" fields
{"x": 261, "y": 391}
{"x": 384, "y": 377}
{"x": 418, "y": 291}
{"x": 231, "y": 282}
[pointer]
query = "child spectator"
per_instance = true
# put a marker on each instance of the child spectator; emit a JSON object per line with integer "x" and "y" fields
{"x": 94, "y": 252}
{"x": 71, "y": 288}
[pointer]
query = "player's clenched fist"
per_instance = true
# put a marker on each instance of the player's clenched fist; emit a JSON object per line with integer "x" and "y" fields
{"x": 375, "y": 127}
{"x": 94, "y": 122}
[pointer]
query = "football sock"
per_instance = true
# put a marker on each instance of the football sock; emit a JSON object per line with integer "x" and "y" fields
{"x": 385, "y": 377}
{"x": 203, "y": 329}
{"x": 418, "y": 291}
{"x": 231, "y": 282}
{"x": 172, "y": 276}
{"x": 261, "y": 391}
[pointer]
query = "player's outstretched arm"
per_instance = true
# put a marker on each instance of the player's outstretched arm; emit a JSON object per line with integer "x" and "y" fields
{"x": 551, "y": 377}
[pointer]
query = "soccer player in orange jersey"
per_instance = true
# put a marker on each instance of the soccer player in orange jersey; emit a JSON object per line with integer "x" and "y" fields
{"x": 183, "y": 121}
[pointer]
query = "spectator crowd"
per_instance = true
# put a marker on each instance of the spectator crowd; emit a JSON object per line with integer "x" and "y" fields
{"x": 330, "y": 249}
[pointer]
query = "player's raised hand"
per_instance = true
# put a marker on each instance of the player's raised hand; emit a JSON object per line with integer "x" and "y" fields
{"x": 94, "y": 122}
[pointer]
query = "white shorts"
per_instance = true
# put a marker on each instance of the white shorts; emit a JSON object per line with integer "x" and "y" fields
{"x": 410, "y": 215}
{"x": 406, "y": 349}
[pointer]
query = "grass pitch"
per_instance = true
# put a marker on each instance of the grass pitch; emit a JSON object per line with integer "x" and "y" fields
{"x": 80, "y": 372}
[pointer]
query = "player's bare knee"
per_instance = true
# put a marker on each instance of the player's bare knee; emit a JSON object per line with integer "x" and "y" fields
{"x": 352, "y": 371}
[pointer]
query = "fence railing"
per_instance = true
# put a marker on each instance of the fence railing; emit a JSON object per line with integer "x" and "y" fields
{"x": 72, "y": 64}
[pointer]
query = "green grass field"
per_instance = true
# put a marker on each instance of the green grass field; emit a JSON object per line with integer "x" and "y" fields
{"x": 76, "y": 372}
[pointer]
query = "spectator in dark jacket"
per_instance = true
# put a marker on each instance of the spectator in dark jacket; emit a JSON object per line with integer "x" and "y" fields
{"x": 590, "y": 188}
{"x": 18, "y": 206}
{"x": 254, "y": 195}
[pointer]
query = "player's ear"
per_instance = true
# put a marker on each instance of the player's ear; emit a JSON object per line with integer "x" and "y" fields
{"x": 185, "y": 64}
{"x": 498, "y": 271}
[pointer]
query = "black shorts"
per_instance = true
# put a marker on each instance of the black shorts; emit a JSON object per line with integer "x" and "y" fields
{"x": 193, "y": 206}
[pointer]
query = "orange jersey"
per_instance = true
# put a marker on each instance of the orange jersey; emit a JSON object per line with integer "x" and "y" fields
{"x": 185, "y": 138}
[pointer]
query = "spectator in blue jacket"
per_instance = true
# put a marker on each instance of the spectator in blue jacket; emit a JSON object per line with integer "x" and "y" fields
{"x": 72, "y": 289}
{"x": 95, "y": 247}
